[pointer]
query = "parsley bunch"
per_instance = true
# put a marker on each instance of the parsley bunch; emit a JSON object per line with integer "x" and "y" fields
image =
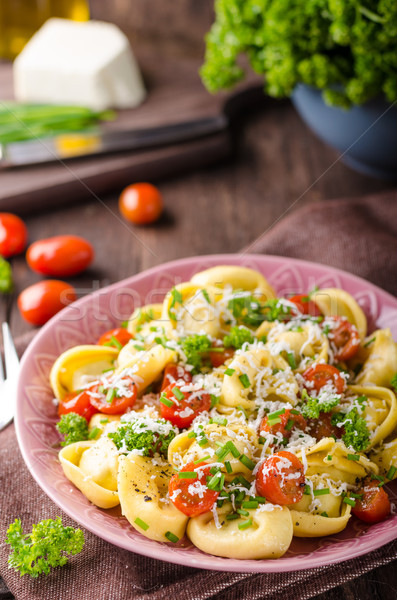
{"x": 312, "y": 407}
{"x": 195, "y": 348}
{"x": 47, "y": 546}
{"x": 74, "y": 427}
{"x": 135, "y": 435}
{"x": 356, "y": 434}
{"x": 347, "y": 48}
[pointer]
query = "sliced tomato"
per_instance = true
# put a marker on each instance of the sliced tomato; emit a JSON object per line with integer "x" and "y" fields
{"x": 322, "y": 427}
{"x": 319, "y": 375}
{"x": 218, "y": 357}
{"x": 305, "y": 305}
{"x": 77, "y": 402}
{"x": 192, "y": 503}
{"x": 374, "y": 506}
{"x": 109, "y": 401}
{"x": 181, "y": 408}
{"x": 286, "y": 423}
{"x": 280, "y": 479}
{"x": 115, "y": 337}
{"x": 174, "y": 373}
{"x": 344, "y": 339}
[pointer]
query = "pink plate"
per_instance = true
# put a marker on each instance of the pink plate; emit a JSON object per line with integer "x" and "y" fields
{"x": 84, "y": 321}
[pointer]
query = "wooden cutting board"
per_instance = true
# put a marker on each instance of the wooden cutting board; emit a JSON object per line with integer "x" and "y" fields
{"x": 175, "y": 94}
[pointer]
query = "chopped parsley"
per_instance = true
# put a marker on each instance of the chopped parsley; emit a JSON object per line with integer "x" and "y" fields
{"x": 356, "y": 434}
{"x": 74, "y": 427}
{"x": 195, "y": 347}
{"x": 137, "y": 435}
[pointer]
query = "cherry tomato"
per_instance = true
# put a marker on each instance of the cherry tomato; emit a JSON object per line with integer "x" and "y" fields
{"x": 109, "y": 402}
{"x": 141, "y": 203}
{"x": 319, "y": 375}
{"x": 344, "y": 339}
{"x": 288, "y": 421}
{"x": 41, "y": 301}
{"x": 174, "y": 373}
{"x": 322, "y": 427}
{"x": 374, "y": 506}
{"x": 77, "y": 402}
{"x": 111, "y": 337}
{"x": 305, "y": 305}
{"x": 183, "y": 409}
{"x": 190, "y": 504}
{"x": 13, "y": 235}
{"x": 219, "y": 358}
{"x": 60, "y": 256}
{"x": 281, "y": 478}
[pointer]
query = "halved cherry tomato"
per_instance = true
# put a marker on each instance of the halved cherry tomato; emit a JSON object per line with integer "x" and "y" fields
{"x": 13, "y": 235}
{"x": 218, "y": 358}
{"x": 319, "y": 375}
{"x": 60, "y": 256}
{"x": 77, "y": 402}
{"x": 322, "y": 427}
{"x": 109, "y": 402}
{"x": 305, "y": 305}
{"x": 344, "y": 338}
{"x": 281, "y": 478}
{"x": 141, "y": 203}
{"x": 192, "y": 504}
{"x": 288, "y": 421}
{"x": 120, "y": 334}
{"x": 41, "y": 301}
{"x": 185, "y": 409}
{"x": 173, "y": 373}
{"x": 374, "y": 506}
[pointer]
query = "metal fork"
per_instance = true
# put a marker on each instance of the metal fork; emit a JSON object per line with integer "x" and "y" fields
{"x": 8, "y": 384}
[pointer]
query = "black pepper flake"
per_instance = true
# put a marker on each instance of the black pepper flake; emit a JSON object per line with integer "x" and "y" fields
{"x": 147, "y": 498}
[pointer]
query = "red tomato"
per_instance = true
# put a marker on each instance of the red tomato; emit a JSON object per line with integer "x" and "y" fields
{"x": 120, "y": 334}
{"x": 219, "y": 358}
{"x": 60, "y": 256}
{"x": 112, "y": 404}
{"x": 280, "y": 479}
{"x": 13, "y": 235}
{"x": 192, "y": 505}
{"x": 77, "y": 402}
{"x": 184, "y": 410}
{"x": 322, "y": 427}
{"x": 173, "y": 373}
{"x": 345, "y": 339}
{"x": 374, "y": 506}
{"x": 41, "y": 301}
{"x": 305, "y": 305}
{"x": 141, "y": 203}
{"x": 288, "y": 421}
{"x": 319, "y": 375}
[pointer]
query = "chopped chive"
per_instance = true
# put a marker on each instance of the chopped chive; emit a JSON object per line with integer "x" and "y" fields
{"x": 172, "y": 537}
{"x": 141, "y": 524}
{"x": 222, "y": 452}
{"x": 275, "y": 414}
{"x": 214, "y": 470}
{"x": 245, "y": 524}
{"x": 324, "y": 514}
{"x": 220, "y": 502}
{"x": 103, "y": 421}
{"x": 228, "y": 467}
{"x": 347, "y": 500}
{"x": 138, "y": 347}
{"x": 219, "y": 420}
{"x": 213, "y": 483}
{"x": 111, "y": 395}
{"x": 245, "y": 381}
{"x": 380, "y": 479}
{"x": 244, "y": 482}
{"x": 214, "y": 400}
{"x": 307, "y": 490}
{"x": 369, "y": 342}
{"x": 260, "y": 499}
{"x": 233, "y": 449}
{"x": 329, "y": 457}
{"x": 232, "y": 516}
{"x": 178, "y": 394}
{"x": 247, "y": 462}
{"x": 101, "y": 389}
{"x": 391, "y": 472}
{"x": 199, "y": 460}
{"x": 353, "y": 457}
{"x": 93, "y": 433}
{"x": 229, "y": 372}
{"x": 357, "y": 496}
{"x": 289, "y": 425}
{"x": 242, "y": 410}
{"x": 206, "y": 296}
{"x": 243, "y": 512}
{"x": 191, "y": 434}
{"x": 293, "y": 411}
{"x": 107, "y": 370}
{"x": 291, "y": 360}
{"x": 202, "y": 441}
{"x": 124, "y": 324}
{"x": 250, "y": 504}
{"x": 321, "y": 492}
{"x": 272, "y": 422}
{"x": 187, "y": 475}
{"x": 164, "y": 400}
{"x": 116, "y": 343}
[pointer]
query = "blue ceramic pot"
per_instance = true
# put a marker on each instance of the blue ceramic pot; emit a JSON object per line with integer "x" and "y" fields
{"x": 366, "y": 135}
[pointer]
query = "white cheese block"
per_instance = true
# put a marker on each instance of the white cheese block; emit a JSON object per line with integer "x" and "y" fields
{"x": 88, "y": 64}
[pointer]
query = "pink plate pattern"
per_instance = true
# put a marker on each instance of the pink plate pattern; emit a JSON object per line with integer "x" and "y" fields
{"x": 85, "y": 320}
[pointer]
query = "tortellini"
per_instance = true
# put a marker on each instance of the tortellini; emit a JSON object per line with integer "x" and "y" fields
{"x": 239, "y": 278}
{"x": 380, "y": 362}
{"x": 335, "y": 302}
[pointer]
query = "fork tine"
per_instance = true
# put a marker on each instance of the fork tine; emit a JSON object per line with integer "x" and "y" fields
{"x": 10, "y": 353}
{"x": 1, "y": 370}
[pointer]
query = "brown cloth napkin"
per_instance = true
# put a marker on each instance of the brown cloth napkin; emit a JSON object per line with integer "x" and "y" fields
{"x": 357, "y": 235}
